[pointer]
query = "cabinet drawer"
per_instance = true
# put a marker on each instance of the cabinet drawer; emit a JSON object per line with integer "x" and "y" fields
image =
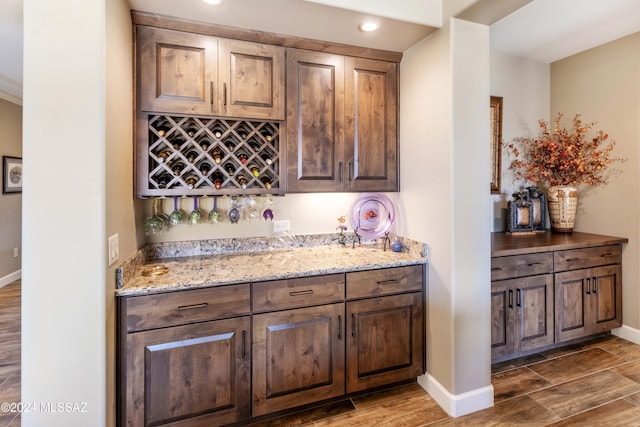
{"x": 179, "y": 308}
{"x": 363, "y": 284}
{"x": 507, "y": 267}
{"x": 299, "y": 292}
{"x": 587, "y": 257}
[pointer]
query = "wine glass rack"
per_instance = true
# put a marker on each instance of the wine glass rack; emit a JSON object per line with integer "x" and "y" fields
{"x": 191, "y": 156}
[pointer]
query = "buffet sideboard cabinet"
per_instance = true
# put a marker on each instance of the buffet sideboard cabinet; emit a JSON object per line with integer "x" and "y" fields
{"x": 550, "y": 288}
{"x": 224, "y": 354}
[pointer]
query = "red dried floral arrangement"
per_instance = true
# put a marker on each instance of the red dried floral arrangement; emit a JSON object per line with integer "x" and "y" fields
{"x": 563, "y": 156}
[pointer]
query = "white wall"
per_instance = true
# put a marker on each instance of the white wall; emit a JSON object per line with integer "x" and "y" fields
{"x": 10, "y": 203}
{"x": 603, "y": 84}
{"x": 525, "y": 87}
{"x": 445, "y": 130}
{"x": 63, "y": 286}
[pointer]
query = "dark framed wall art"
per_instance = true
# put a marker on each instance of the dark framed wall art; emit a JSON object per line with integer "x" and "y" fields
{"x": 11, "y": 174}
{"x": 496, "y": 143}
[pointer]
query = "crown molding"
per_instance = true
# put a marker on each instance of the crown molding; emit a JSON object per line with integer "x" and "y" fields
{"x": 10, "y": 90}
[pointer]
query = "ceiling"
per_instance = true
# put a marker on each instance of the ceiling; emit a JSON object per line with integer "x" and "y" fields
{"x": 542, "y": 30}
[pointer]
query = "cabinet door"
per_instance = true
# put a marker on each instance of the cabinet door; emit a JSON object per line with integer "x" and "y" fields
{"x": 176, "y": 71}
{"x": 189, "y": 375}
{"x": 606, "y": 296}
{"x": 251, "y": 80}
{"x": 501, "y": 318}
{"x": 298, "y": 357}
{"x": 533, "y": 312}
{"x": 588, "y": 301}
{"x": 315, "y": 114}
{"x": 384, "y": 340}
{"x": 371, "y": 118}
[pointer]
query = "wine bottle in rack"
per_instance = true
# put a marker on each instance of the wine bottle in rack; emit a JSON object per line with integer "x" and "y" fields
{"x": 164, "y": 180}
{"x": 242, "y": 156}
{"x": 216, "y": 153}
{"x": 266, "y": 158}
{"x": 192, "y": 129}
{"x": 255, "y": 146}
{"x": 242, "y": 181}
{"x": 266, "y": 134}
{"x": 217, "y": 130}
{"x": 230, "y": 169}
{"x": 218, "y": 179}
{"x": 164, "y": 155}
{"x": 191, "y": 156}
{"x": 177, "y": 168}
{"x": 162, "y": 127}
{"x": 266, "y": 181}
{"x": 205, "y": 168}
{"x": 205, "y": 143}
{"x": 254, "y": 170}
{"x": 191, "y": 181}
{"x": 230, "y": 144}
{"x": 177, "y": 143}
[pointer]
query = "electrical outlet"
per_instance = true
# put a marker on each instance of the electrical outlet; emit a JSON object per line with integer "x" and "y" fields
{"x": 15, "y": 252}
{"x": 114, "y": 249}
{"x": 283, "y": 225}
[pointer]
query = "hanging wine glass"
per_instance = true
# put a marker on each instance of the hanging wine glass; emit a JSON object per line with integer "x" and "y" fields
{"x": 214, "y": 215}
{"x": 195, "y": 217}
{"x": 252, "y": 212}
{"x": 176, "y": 216}
{"x": 153, "y": 224}
{"x": 159, "y": 212}
{"x": 267, "y": 212}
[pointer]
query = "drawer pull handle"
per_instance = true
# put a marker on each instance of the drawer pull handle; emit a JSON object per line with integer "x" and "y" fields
{"x": 574, "y": 259}
{"x": 533, "y": 264}
{"x": 607, "y": 255}
{"x": 340, "y": 327}
{"x": 298, "y": 293}
{"x": 192, "y": 306}
{"x": 496, "y": 268}
{"x": 387, "y": 282}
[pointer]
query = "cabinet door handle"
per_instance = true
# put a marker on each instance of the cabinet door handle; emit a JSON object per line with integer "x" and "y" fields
{"x": 350, "y": 171}
{"x": 588, "y": 286}
{"x": 353, "y": 324}
{"x": 510, "y": 298}
{"x": 192, "y": 306}
{"x": 340, "y": 327}
{"x": 244, "y": 343}
{"x": 518, "y": 297}
{"x": 211, "y": 94}
{"x": 298, "y": 293}
{"x": 224, "y": 94}
{"x": 595, "y": 286}
{"x": 340, "y": 171}
{"x": 386, "y": 282}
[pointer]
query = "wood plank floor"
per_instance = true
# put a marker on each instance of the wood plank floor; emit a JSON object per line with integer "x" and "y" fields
{"x": 595, "y": 383}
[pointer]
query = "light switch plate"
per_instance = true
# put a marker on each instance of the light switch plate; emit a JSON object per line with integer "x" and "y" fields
{"x": 114, "y": 249}
{"x": 283, "y": 225}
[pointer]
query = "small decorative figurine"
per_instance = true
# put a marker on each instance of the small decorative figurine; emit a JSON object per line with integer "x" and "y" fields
{"x": 342, "y": 239}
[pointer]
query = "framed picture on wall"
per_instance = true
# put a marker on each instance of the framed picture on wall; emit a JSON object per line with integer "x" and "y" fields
{"x": 496, "y": 143}
{"x": 11, "y": 174}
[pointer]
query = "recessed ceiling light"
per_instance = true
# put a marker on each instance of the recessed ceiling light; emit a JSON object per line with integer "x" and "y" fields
{"x": 369, "y": 26}
{"x": 214, "y": 2}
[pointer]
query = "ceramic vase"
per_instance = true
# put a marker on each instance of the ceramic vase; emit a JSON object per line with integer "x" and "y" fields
{"x": 563, "y": 202}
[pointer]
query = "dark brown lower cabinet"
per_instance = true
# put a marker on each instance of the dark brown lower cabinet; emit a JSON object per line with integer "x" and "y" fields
{"x": 298, "y": 357}
{"x": 588, "y": 301}
{"x": 384, "y": 340}
{"x": 521, "y": 314}
{"x": 190, "y": 375}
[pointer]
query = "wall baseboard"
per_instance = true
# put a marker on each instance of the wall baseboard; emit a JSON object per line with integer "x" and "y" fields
{"x": 460, "y": 404}
{"x": 10, "y": 278}
{"x": 628, "y": 333}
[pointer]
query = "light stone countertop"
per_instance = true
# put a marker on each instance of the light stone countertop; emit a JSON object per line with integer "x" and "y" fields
{"x": 223, "y": 269}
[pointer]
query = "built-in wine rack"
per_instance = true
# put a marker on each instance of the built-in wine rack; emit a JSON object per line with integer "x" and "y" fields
{"x": 210, "y": 156}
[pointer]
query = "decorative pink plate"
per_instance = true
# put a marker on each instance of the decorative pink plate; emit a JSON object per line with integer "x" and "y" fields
{"x": 372, "y": 215}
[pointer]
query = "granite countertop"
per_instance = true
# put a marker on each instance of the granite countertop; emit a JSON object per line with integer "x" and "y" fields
{"x": 244, "y": 264}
